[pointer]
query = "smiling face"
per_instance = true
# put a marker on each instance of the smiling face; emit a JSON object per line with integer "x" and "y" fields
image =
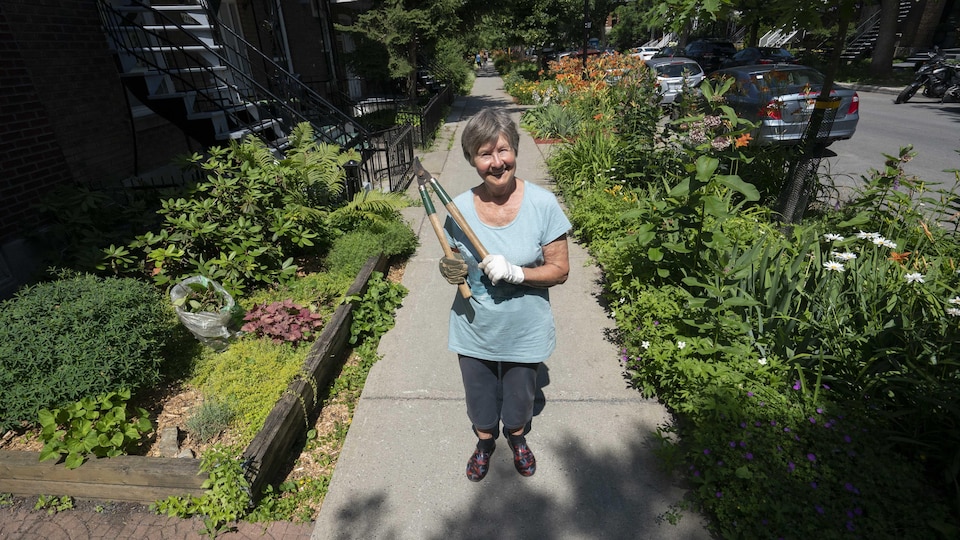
{"x": 496, "y": 163}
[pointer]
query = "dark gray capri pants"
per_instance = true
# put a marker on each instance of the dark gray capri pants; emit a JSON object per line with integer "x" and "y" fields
{"x": 481, "y": 381}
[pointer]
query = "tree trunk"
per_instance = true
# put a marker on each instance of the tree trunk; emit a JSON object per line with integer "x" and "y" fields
{"x": 881, "y": 63}
{"x": 909, "y": 26}
{"x": 928, "y": 23}
{"x": 752, "y": 38}
{"x": 412, "y": 76}
{"x": 794, "y": 197}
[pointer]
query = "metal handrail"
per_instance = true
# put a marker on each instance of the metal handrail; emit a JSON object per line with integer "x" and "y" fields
{"x": 287, "y": 100}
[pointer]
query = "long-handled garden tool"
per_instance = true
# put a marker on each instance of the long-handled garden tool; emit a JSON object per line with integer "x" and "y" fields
{"x": 424, "y": 179}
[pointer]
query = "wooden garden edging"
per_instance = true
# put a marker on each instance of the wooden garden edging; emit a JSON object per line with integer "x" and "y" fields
{"x": 145, "y": 480}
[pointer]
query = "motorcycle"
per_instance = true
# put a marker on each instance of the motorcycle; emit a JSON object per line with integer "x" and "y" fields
{"x": 935, "y": 75}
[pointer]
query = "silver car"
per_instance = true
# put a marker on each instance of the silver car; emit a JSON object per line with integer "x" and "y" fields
{"x": 672, "y": 73}
{"x": 781, "y": 98}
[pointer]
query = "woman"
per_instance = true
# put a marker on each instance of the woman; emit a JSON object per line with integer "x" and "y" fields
{"x": 506, "y": 329}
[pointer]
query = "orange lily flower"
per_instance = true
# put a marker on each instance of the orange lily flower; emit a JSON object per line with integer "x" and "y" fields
{"x": 899, "y": 257}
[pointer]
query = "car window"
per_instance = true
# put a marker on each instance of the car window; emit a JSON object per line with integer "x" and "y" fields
{"x": 779, "y": 82}
{"x": 687, "y": 69}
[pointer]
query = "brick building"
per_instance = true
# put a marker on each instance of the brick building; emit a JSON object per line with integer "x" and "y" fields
{"x": 66, "y": 117}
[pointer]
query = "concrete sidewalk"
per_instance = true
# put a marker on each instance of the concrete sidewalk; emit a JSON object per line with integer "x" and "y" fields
{"x": 401, "y": 472}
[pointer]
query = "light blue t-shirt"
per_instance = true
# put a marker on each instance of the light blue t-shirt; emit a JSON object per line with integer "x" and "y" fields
{"x": 506, "y": 322}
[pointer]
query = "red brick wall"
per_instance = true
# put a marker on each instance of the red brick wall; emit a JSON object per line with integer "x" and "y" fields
{"x": 30, "y": 157}
{"x": 305, "y": 35}
{"x": 63, "y": 113}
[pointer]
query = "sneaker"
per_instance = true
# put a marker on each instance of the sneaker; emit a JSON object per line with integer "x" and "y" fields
{"x": 523, "y": 458}
{"x": 479, "y": 463}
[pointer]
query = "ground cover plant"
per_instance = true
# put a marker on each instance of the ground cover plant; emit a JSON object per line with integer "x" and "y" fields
{"x": 810, "y": 368}
{"x": 126, "y": 311}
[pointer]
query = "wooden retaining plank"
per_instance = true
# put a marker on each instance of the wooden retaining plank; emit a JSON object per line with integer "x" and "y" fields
{"x": 122, "y": 478}
{"x": 286, "y": 423}
{"x": 145, "y": 480}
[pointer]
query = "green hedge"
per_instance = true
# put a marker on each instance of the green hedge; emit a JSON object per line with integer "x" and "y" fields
{"x": 75, "y": 337}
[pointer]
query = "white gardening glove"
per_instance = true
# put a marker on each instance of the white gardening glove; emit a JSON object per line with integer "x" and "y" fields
{"x": 497, "y": 267}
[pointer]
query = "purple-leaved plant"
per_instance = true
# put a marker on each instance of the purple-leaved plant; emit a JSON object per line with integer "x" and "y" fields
{"x": 282, "y": 321}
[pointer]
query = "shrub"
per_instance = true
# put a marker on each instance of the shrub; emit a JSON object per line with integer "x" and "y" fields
{"x": 79, "y": 336}
{"x": 351, "y": 251}
{"x": 552, "y": 121}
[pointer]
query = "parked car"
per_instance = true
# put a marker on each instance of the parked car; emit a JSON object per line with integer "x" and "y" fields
{"x": 780, "y": 98}
{"x": 668, "y": 52}
{"x": 709, "y": 53}
{"x": 672, "y": 73}
{"x": 760, "y": 55}
{"x": 644, "y": 53}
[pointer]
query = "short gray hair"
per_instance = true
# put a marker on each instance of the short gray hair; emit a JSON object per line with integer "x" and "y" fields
{"x": 487, "y": 126}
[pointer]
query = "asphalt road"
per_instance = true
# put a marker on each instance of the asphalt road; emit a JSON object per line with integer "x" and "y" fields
{"x": 933, "y": 128}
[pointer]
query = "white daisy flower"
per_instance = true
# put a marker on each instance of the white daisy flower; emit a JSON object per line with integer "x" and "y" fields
{"x": 953, "y": 312}
{"x": 763, "y": 361}
{"x": 681, "y": 344}
{"x": 830, "y": 237}
{"x": 645, "y": 345}
{"x": 845, "y": 256}
{"x": 883, "y": 242}
{"x": 915, "y": 277}
{"x": 834, "y": 266}
{"x": 867, "y": 235}
{"x": 955, "y": 300}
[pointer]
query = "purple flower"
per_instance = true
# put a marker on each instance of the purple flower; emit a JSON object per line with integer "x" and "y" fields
{"x": 749, "y": 394}
{"x": 719, "y": 494}
{"x": 706, "y": 451}
{"x": 796, "y": 385}
{"x": 819, "y": 410}
{"x": 819, "y": 509}
{"x": 773, "y": 422}
{"x": 733, "y": 444}
{"x": 720, "y": 463}
{"x": 813, "y": 485}
{"x": 846, "y": 438}
{"x": 786, "y": 430}
{"x": 743, "y": 425}
{"x": 826, "y": 387}
{"x": 812, "y": 457}
{"x": 749, "y": 456}
{"x": 851, "y": 488}
{"x": 812, "y": 420}
{"x": 850, "y": 526}
{"x": 791, "y": 466}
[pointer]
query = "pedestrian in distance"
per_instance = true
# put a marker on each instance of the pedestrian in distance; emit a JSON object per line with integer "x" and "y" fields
{"x": 479, "y": 60}
{"x": 505, "y": 330}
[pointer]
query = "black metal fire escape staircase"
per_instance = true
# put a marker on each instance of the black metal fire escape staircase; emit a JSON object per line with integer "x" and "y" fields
{"x": 182, "y": 63}
{"x": 864, "y": 37}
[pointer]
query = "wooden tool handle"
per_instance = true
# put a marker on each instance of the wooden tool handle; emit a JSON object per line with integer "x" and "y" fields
{"x": 459, "y": 219}
{"x": 447, "y": 251}
{"x": 465, "y": 227}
